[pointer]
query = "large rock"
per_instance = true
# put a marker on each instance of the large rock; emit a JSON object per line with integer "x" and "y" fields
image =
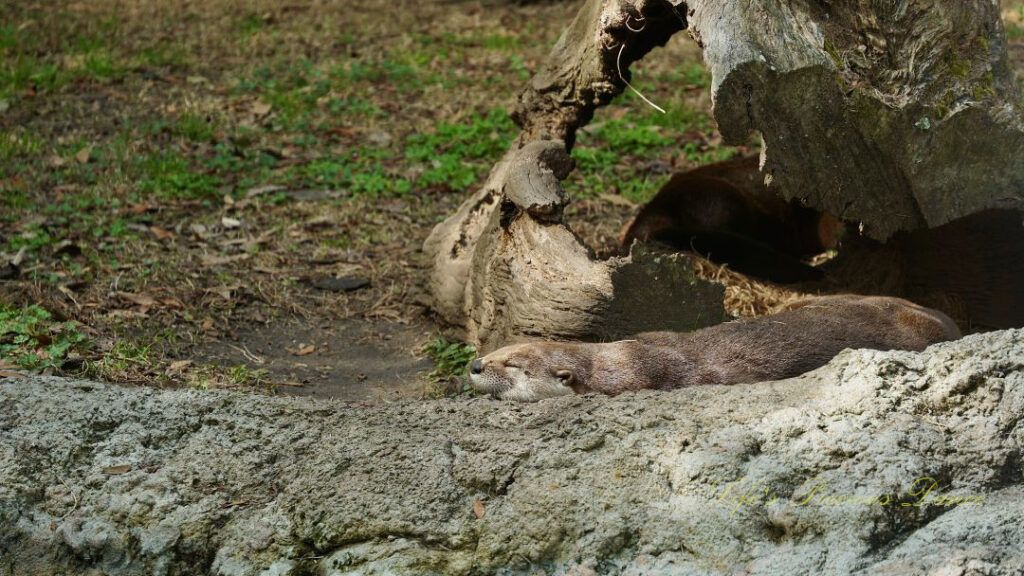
{"x": 817, "y": 475}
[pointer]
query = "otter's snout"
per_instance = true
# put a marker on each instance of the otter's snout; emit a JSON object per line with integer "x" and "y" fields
{"x": 477, "y": 366}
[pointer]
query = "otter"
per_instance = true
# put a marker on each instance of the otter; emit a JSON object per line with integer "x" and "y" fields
{"x": 724, "y": 212}
{"x": 805, "y": 336}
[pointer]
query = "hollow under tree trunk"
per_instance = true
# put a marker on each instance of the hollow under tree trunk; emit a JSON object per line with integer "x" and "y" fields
{"x": 900, "y": 115}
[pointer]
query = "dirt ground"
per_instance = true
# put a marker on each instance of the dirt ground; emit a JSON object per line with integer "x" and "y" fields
{"x": 234, "y": 194}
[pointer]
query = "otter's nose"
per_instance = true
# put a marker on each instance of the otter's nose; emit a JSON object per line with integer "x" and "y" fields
{"x": 477, "y": 366}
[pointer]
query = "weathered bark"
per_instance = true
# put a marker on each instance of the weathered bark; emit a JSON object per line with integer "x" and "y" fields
{"x": 98, "y": 479}
{"x": 504, "y": 266}
{"x": 901, "y": 115}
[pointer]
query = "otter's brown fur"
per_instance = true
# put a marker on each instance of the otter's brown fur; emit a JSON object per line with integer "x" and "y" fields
{"x": 726, "y": 213}
{"x": 804, "y": 337}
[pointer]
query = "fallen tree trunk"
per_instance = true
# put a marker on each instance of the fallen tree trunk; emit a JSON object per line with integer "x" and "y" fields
{"x": 900, "y": 115}
{"x": 817, "y": 475}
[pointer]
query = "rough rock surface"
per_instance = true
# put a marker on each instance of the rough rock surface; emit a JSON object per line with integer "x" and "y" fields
{"x": 805, "y": 476}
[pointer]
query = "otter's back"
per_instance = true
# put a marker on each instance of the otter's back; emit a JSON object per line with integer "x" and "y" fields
{"x": 807, "y": 336}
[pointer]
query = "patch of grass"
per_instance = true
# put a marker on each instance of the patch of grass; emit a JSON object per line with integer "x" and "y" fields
{"x": 360, "y": 173}
{"x": 631, "y": 138}
{"x": 251, "y": 24}
{"x": 163, "y": 56}
{"x": 206, "y": 376}
{"x": 353, "y": 107}
{"x": 451, "y": 359}
{"x": 1014, "y": 24}
{"x": 33, "y": 340}
{"x": 33, "y": 238}
{"x": 455, "y": 156}
{"x": 168, "y": 175}
{"x": 15, "y": 145}
{"x": 125, "y": 358}
{"x": 242, "y": 375}
{"x": 20, "y": 72}
{"x": 196, "y": 127}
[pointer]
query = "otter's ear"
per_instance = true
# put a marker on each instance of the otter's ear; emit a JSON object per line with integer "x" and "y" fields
{"x": 568, "y": 377}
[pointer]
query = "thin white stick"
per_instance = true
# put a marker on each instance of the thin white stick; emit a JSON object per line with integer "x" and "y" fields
{"x": 618, "y": 65}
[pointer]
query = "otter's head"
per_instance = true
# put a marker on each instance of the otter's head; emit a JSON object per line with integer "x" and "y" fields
{"x": 529, "y": 372}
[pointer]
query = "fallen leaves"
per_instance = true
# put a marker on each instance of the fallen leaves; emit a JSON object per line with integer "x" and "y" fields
{"x": 177, "y": 368}
{"x": 212, "y": 261}
{"x": 260, "y": 108}
{"x": 84, "y": 155}
{"x": 225, "y": 292}
{"x": 162, "y": 233}
{"x": 305, "y": 350}
{"x": 145, "y": 302}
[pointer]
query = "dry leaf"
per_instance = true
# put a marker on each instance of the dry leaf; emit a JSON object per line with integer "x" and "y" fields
{"x": 172, "y": 302}
{"x": 260, "y": 108}
{"x": 126, "y": 314}
{"x": 617, "y": 200}
{"x": 478, "y": 508}
{"x": 144, "y": 300}
{"x": 305, "y": 350}
{"x": 84, "y": 155}
{"x": 178, "y": 366}
{"x": 223, "y": 291}
{"x": 162, "y": 233}
{"x": 211, "y": 261}
{"x": 13, "y": 375}
{"x": 229, "y": 223}
{"x": 115, "y": 470}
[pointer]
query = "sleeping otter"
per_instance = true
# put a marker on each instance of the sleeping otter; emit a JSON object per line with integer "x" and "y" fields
{"x": 804, "y": 337}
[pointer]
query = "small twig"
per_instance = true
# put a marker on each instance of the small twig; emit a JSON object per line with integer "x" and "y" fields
{"x": 247, "y": 354}
{"x": 618, "y": 65}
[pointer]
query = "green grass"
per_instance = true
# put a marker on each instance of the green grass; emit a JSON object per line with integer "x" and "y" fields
{"x": 451, "y": 359}
{"x": 455, "y": 156}
{"x": 33, "y": 340}
{"x": 196, "y": 127}
{"x": 168, "y": 175}
{"x": 81, "y": 58}
{"x": 609, "y": 154}
{"x": 451, "y": 157}
{"x": 18, "y": 146}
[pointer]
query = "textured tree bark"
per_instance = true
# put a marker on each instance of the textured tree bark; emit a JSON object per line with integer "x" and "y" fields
{"x": 901, "y": 115}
